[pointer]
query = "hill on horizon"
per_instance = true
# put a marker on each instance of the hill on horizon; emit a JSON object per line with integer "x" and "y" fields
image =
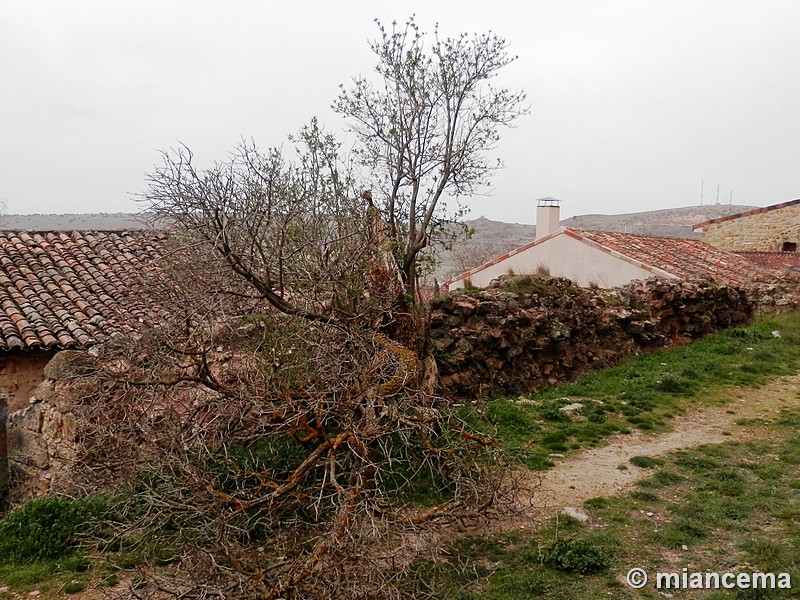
{"x": 74, "y": 222}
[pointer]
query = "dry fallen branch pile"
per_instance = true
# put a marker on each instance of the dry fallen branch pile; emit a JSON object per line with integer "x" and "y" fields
{"x": 306, "y": 488}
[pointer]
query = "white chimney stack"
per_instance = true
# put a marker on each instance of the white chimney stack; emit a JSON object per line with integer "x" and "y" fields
{"x": 548, "y": 217}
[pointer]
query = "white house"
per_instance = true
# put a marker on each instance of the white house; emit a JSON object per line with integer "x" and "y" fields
{"x": 609, "y": 259}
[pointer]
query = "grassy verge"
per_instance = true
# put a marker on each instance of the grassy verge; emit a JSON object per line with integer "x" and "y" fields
{"x": 733, "y": 507}
{"x": 39, "y": 544}
{"x": 641, "y": 392}
{"x": 44, "y": 541}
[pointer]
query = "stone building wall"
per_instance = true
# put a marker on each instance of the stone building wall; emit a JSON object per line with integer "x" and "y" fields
{"x": 763, "y": 231}
{"x": 41, "y": 437}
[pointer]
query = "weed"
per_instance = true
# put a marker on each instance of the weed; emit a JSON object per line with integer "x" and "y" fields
{"x": 644, "y": 496}
{"x": 661, "y": 479}
{"x": 511, "y": 419}
{"x": 766, "y": 552}
{"x": 646, "y": 462}
{"x": 551, "y": 411}
{"x": 73, "y": 587}
{"x": 596, "y": 503}
{"x": 576, "y": 556}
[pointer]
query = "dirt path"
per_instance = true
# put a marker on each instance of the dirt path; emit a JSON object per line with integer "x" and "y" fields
{"x": 594, "y": 472}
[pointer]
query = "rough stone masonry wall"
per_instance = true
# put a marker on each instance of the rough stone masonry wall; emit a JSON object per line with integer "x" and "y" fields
{"x": 762, "y": 232}
{"x": 41, "y": 437}
{"x": 524, "y": 332}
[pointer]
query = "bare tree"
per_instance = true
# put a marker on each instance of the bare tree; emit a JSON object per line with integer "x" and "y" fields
{"x": 473, "y": 254}
{"x": 426, "y": 128}
{"x": 292, "y": 232}
{"x": 272, "y": 429}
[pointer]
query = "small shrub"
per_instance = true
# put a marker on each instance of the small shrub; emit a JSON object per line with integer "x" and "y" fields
{"x": 45, "y": 527}
{"x": 696, "y": 462}
{"x": 576, "y": 556}
{"x": 676, "y": 386}
{"x": 551, "y": 411}
{"x": 73, "y": 587}
{"x": 691, "y": 527}
{"x": 644, "y": 496}
{"x": 661, "y": 479}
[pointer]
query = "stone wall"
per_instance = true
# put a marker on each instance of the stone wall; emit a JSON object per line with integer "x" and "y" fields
{"x": 523, "y": 332}
{"x": 41, "y": 436}
{"x": 763, "y": 231}
{"x": 3, "y": 448}
{"x": 514, "y": 336}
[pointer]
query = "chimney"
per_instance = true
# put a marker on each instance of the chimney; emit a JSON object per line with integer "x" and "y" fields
{"x": 548, "y": 219}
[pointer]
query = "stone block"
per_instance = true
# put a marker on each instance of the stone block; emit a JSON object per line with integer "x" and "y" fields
{"x": 29, "y": 418}
{"x": 27, "y": 448}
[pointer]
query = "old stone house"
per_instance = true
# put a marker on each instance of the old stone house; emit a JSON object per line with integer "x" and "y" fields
{"x": 774, "y": 228}
{"x": 62, "y": 291}
{"x": 610, "y": 259}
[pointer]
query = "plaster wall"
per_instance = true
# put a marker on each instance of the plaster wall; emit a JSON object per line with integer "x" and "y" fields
{"x": 20, "y": 374}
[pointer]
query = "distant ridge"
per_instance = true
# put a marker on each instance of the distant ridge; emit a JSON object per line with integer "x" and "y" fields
{"x": 669, "y": 222}
{"x": 70, "y": 222}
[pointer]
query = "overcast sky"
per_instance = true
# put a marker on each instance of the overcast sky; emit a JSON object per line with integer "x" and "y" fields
{"x": 633, "y": 103}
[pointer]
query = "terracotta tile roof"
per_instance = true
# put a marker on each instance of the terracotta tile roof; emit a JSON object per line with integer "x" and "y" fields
{"x": 783, "y": 261}
{"x": 71, "y": 290}
{"x": 747, "y": 213}
{"x": 680, "y": 257}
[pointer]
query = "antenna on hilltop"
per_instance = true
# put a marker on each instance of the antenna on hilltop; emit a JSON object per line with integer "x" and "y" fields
{"x": 702, "y": 181}
{"x": 717, "y": 193}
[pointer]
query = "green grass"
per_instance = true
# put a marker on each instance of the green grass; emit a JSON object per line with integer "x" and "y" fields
{"x": 741, "y": 496}
{"x": 640, "y": 393}
{"x": 646, "y": 462}
{"x": 41, "y": 547}
{"x": 39, "y": 540}
{"x": 734, "y": 496}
